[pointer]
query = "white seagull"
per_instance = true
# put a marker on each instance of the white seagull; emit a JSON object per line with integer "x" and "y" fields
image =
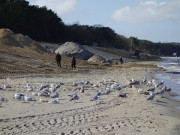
{"x": 19, "y": 96}
{"x": 74, "y": 97}
{"x": 27, "y": 98}
{"x": 151, "y": 96}
{"x": 56, "y": 101}
{"x": 53, "y": 89}
{"x": 163, "y": 90}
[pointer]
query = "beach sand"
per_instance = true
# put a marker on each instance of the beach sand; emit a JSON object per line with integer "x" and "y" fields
{"x": 109, "y": 115}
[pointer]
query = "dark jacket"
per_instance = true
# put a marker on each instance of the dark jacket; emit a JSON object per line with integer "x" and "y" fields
{"x": 58, "y": 57}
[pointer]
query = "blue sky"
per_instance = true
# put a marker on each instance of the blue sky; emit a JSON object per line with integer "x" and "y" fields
{"x": 154, "y": 20}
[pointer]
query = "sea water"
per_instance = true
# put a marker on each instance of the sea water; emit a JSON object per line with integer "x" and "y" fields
{"x": 172, "y": 78}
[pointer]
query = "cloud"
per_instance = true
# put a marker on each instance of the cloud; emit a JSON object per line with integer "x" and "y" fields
{"x": 149, "y": 11}
{"x": 61, "y": 7}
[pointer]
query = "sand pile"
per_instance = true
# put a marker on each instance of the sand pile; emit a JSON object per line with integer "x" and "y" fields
{"x": 9, "y": 38}
{"x": 71, "y": 48}
{"x": 97, "y": 58}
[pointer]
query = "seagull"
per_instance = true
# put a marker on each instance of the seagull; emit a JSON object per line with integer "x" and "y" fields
{"x": 29, "y": 87}
{"x": 133, "y": 82}
{"x": 108, "y": 90}
{"x": 151, "y": 96}
{"x": 75, "y": 84}
{"x": 123, "y": 95}
{"x": 82, "y": 89}
{"x": 152, "y": 89}
{"x": 7, "y": 86}
{"x": 41, "y": 88}
{"x": 149, "y": 83}
{"x": 45, "y": 94}
{"x": 42, "y": 100}
{"x": 56, "y": 101}
{"x": 81, "y": 83}
{"x": 160, "y": 83}
{"x": 140, "y": 91}
{"x": 46, "y": 86}
{"x": 74, "y": 97}
{"x": 163, "y": 90}
{"x": 56, "y": 95}
{"x": 119, "y": 87}
{"x": 52, "y": 89}
{"x": 58, "y": 86}
{"x": 95, "y": 98}
{"x": 62, "y": 83}
{"x": 87, "y": 82}
{"x": 144, "y": 80}
{"x": 27, "y": 98}
{"x": 116, "y": 84}
{"x": 99, "y": 93}
{"x": 19, "y": 96}
{"x": 52, "y": 85}
{"x": 113, "y": 86}
{"x": 1, "y": 88}
{"x": 34, "y": 93}
{"x": 2, "y": 98}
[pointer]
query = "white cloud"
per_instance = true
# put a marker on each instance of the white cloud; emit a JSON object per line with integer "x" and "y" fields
{"x": 149, "y": 11}
{"x": 61, "y": 7}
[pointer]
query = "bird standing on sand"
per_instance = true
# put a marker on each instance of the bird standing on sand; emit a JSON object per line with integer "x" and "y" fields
{"x": 160, "y": 83}
{"x": 29, "y": 87}
{"x": 152, "y": 89}
{"x": 27, "y": 98}
{"x": 163, "y": 90}
{"x": 75, "y": 84}
{"x": 144, "y": 80}
{"x": 74, "y": 97}
{"x": 19, "y": 96}
{"x": 52, "y": 89}
{"x": 7, "y": 86}
{"x": 99, "y": 93}
{"x": 151, "y": 96}
{"x": 2, "y": 98}
{"x": 41, "y": 88}
{"x": 56, "y": 101}
{"x": 1, "y": 88}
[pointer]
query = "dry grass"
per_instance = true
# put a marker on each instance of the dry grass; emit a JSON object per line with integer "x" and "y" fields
{"x": 21, "y": 61}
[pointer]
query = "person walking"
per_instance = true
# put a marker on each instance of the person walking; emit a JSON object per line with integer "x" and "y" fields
{"x": 58, "y": 59}
{"x": 121, "y": 60}
{"x": 73, "y": 63}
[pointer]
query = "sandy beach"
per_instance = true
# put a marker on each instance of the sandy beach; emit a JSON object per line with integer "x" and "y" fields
{"x": 109, "y": 115}
{"x": 107, "y": 105}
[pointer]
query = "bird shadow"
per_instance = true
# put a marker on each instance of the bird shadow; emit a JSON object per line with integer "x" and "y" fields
{"x": 158, "y": 101}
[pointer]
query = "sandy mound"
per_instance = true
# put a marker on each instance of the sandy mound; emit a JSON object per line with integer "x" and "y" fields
{"x": 71, "y": 48}
{"x": 97, "y": 58}
{"x": 8, "y": 38}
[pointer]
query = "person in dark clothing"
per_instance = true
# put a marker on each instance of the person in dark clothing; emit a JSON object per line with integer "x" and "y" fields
{"x": 73, "y": 63}
{"x": 58, "y": 60}
{"x": 121, "y": 60}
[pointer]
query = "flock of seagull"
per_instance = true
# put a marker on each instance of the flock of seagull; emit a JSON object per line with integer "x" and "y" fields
{"x": 154, "y": 86}
{"x": 105, "y": 86}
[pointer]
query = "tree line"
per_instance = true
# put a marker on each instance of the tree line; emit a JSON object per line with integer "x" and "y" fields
{"x": 43, "y": 24}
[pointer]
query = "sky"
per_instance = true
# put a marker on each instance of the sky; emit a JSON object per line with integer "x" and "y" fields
{"x": 153, "y": 20}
